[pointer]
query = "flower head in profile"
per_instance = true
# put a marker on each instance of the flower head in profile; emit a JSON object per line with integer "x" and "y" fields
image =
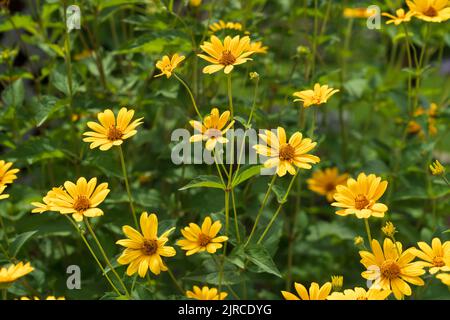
{"x": 80, "y": 199}
{"x": 430, "y": 10}
{"x": 167, "y": 65}
{"x": 324, "y": 182}
{"x": 445, "y": 278}
{"x": 202, "y": 239}
{"x": 226, "y": 55}
{"x": 7, "y": 175}
{"x": 258, "y": 47}
{"x": 391, "y": 268}
{"x": 315, "y": 292}
{"x": 213, "y": 128}
{"x": 358, "y": 12}
{"x": 222, "y": 25}
{"x": 205, "y": 293}
{"x": 437, "y": 168}
{"x": 319, "y": 95}
{"x": 144, "y": 249}
{"x": 286, "y": 155}
{"x": 399, "y": 17}
{"x": 389, "y": 229}
{"x": 360, "y": 294}
{"x": 14, "y": 272}
{"x": 359, "y": 197}
{"x": 109, "y": 132}
{"x": 436, "y": 257}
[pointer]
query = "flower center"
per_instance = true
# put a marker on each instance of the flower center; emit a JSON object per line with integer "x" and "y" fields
{"x": 438, "y": 262}
{"x": 203, "y": 239}
{"x": 114, "y": 133}
{"x": 81, "y": 204}
{"x": 431, "y": 12}
{"x": 287, "y": 152}
{"x": 330, "y": 186}
{"x": 227, "y": 58}
{"x": 149, "y": 247}
{"x": 213, "y": 133}
{"x": 390, "y": 269}
{"x": 361, "y": 202}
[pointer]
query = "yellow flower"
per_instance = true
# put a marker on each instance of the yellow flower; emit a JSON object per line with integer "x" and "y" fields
{"x": 3, "y": 196}
{"x": 253, "y": 75}
{"x": 319, "y": 95}
{"x": 80, "y": 199}
{"x": 391, "y": 268}
{"x": 285, "y": 154}
{"x": 360, "y": 197}
{"x": 195, "y": 3}
{"x": 315, "y": 293}
{"x": 400, "y": 17}
{"x": 110, "y": 133}
{"x": 202, "y": 239}
{"x": 14, "y": 272}
{"x": 212, "y": 129}
{"x": 358, "y": 13}
{"x": 226, "y": 55}
{"x": 358, "y": 241}
{"x": 337, "y": 282}
{"x": 437, "y": 168}
{"x": 360, "y": 294}
{"x": 445, "y": 278}
{"x": 257, "y": 47}
{"x": 48, "y": 298}
{"x": 221, "y": 25}
{"x": 167, "y": 65}
{"x": 7, "y": 175}
{"x": 436, "y": 257}
{"x": 389, "y": 229}
{"x": 206, "y": 293}
{"x": 430, "y": 10}
{"x": 324, "y": 182}
{"x": 144, "y": 250}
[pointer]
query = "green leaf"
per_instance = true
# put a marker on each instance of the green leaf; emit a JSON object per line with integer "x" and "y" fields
{"x": 46, "y": 106}
{"x": 279, "y": 193}
{"x": 261, "y": 257}
{"x": 356, "y": 87}
{"x": 14, "y": 94}
{"x": 35, "y": 150}
{"x": 247, "y": 174}
{"x": 204, "y": 182}
{"x": 19, "y": 241}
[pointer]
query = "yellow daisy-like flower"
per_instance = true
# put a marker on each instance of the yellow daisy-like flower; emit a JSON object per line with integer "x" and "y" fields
{"x": 324, "y": 182}
{"x": 212, "y": 129}
{"x": 436, "y": 257}
{"x": 222, "y": 25}
{"x": 400, "y": 17}
{"x": 14, "y": 272}
{"x": 445, "y": 278}
{"x": 437, "y": 168}
{"x": 202, "y": 239}
{"x": 360, "y": 197}
{"x": 48, "y": 298}
{"x": 285, "y": 154}
{"x": 430, "y": 10}
{"x": 226, "y": 55}
{"x": 80, "y": 199}
{"x": 358, "y": 13}
{"x": 319, "y": 95}
{"x": 315, "y": 292}
{"x": 110, "y": 132}
{"x": 258, "y": 47}
{"x": 391, "y": 268}
{"x": 360, "y": 294}
{"x": 167, "y": 65}
{"x": 7, "y": 175}
{"x": 206, "y": 293}
{"x": 144, "y": 250}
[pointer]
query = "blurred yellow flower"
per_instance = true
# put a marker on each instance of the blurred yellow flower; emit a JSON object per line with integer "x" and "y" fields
{"x": 206, "y": 293}
{"x": 360, "y": 197}
{"x": 315, "y": 292}
{"x": 226, "y": 55}
{"x": 195, "y": 3}
{"x": 167, "y": 65}
{"x": 436, "y": 257}
{"x": 144, "y": 250}
{"x": 286, "y": 155}
{"x": 110, "y": 133}
{"x": 324, "y": 182}
{"x": 400, "y": 16}
{"x": 2, "y": 195}
{"x": 257, "y": 47}
{"x": 48, "y": 298}
{"x": 358, "y": 13}
{"x": 222, "y": 25}
{"x": 445, "y": 278}
{"x": 212, "y": 129}
{"x": 389, "y": 229}
{"x": 202, "y": 239}
{"x": 14, "y": 272}
{"x": 390, "y": 268}
{"x": 437, "y": 168}
{"x": 337, "y": 282}
{"x": 80, "y": 199}
{"x": 430, "y": 10}
{"x": 7, "y": 175}
{"x": 318, "y": 96}
{"x": 360, "y": 294}
{"x": 357, "y": 241}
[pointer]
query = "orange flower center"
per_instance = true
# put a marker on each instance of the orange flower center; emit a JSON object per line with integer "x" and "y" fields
{"x": 361, "y": 202}
{"x": 390, "y": 269}
{"x": 227, "y": 58}
{"x": 81, "y": 203}
{"x": 431, "y": 12}
{"x": 114, "y": 133}
{"x": 438, "y": 262}
{"x": 149, "y": 247}
{"x": 287, "y": 152}
{"x": 203, "y": 239}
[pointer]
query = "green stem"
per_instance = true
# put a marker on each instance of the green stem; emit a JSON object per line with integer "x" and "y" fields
{"x": 127, "y": 186}
{"x": 408, "y": 52}
{"x": 230, "y": 96}
{"x": 3, "y": 227}
{"x": 369, "y": 235}
{"x": 420, "y": 65}
{"x": 233, "y": 293}
{"x": 445, "y": 179}
{"x": 175, "y": 281}
{"x": 236, "y": 224}
{"x": 227, "y": 215}
{"x": 316, "y": 30}
{"x": 190, "y": 94}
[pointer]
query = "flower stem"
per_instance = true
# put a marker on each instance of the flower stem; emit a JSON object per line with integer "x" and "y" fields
{"x": 190, "y": 94}
{"x": 230, "y": 96}
{"x": 127, "y": 185}
{"x": 236, "y": 224}
{"x": 445, "y": 179}
{"x": 369, "y": 235}
{"x": 227, "y": 217}
{"x": 175, "y": 281}
{"x": 233, "y": 293}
